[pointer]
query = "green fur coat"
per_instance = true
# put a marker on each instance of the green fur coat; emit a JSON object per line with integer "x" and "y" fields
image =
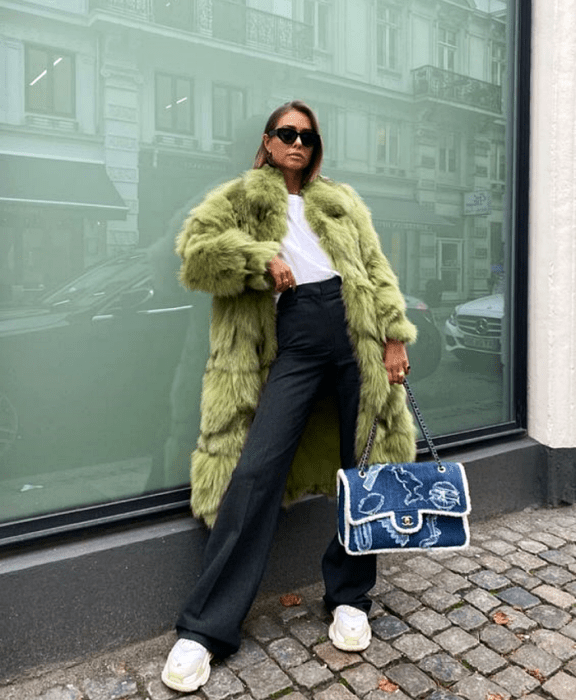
{"x": 225, "y": 245}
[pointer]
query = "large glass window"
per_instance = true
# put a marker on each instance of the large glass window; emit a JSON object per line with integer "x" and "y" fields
{"x": 101, "y": 350}
{"x": 49, "y": 81}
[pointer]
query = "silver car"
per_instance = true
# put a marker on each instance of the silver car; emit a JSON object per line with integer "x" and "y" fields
{"x": 475, "y": 328}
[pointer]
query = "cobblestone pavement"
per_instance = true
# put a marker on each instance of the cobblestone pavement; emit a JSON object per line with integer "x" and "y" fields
{"x": 497, "y": 621}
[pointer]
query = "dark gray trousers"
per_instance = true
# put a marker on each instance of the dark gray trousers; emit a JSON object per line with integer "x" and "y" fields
{"x": 313, "y": 349}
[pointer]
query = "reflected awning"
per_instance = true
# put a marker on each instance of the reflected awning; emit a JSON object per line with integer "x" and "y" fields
{"x": 60, "y": 183}
{"x": 387, "y": 211}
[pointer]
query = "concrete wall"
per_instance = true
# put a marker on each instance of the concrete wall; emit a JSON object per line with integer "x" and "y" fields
{"x": 552, "y": 273}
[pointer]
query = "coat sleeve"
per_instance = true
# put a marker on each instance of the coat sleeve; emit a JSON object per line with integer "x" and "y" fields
{"x": 217, "y": 255}
{"x": 390, "y": 303}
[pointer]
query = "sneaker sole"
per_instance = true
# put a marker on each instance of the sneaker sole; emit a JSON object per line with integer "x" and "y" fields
{"x": 186, "y": 688}
{"x": 343, "y": 645}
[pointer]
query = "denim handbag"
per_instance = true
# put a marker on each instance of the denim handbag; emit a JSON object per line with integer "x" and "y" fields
{"x": 403, "y": 507}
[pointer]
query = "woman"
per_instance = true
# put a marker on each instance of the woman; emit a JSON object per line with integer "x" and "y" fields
{"x": 303, "y": 299}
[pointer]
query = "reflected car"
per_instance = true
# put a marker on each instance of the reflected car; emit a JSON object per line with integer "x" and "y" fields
{"x": 474, "y": 329}
{"x": 92, "y": 372}
{"x": 88, "y": 372}
{"x": 425, "y": 354}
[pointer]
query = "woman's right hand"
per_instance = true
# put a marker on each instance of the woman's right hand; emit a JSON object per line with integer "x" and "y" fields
{"x": 281, "y": 274}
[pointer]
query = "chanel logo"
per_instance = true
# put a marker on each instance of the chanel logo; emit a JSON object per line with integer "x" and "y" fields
{"x": 407, "y": 521}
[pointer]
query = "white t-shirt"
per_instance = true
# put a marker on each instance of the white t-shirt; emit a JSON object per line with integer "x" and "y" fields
{"x": 301, "y": 248}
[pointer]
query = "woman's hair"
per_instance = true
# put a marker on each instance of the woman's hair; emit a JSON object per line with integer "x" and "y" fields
{"x": 313, "y": 168}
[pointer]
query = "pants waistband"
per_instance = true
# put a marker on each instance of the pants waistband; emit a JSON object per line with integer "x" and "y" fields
{"x": 329, "y": 287}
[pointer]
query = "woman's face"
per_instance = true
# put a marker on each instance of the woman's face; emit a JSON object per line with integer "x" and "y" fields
{"x": 291, "y": 157}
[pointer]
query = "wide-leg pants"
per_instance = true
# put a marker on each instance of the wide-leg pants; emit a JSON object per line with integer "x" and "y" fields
{"x": 313, "y": 348}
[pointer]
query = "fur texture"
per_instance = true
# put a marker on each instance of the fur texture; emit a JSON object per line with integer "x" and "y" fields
{"x": 225, "y": 246}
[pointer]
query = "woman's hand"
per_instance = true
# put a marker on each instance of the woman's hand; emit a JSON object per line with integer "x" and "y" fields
{"x": 281, "y": 274}
{"x": 396, "y": 361}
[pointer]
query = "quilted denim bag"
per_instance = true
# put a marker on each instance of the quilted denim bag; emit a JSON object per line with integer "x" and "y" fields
{"x": 403, "y": 507}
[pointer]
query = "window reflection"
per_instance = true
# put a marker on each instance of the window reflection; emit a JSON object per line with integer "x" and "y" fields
{"x": 227, "y": 111}
{"x": 388, "y": 143}
{"x": 101, "y": 351}
{"x": 446, "y": 48}
{"x": 387, "y": 35}
{"x": 174, "y": 104}
{"x": 49, "y": 81}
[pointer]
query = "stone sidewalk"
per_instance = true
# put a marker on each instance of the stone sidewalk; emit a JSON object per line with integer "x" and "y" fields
{"x": 497, "y": 621}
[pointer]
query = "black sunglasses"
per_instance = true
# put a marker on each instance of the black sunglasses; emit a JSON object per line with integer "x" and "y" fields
{"x": 287, "y": 134}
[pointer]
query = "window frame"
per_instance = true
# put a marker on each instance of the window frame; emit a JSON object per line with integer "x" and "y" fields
{"x": 447, "y": 50}
{"x": 449, "y": 144}
{"x": 497, "y": 62}
{"x": 497, "y": 162}
{"x": 321, "y": 38}
{"x": 173, "y": 82}
{"x": 51, "y": 53}
{"x": 327, "y": 118}
{"x": 385, "y": 27}
{"x": 230, "y": 89}
{"x": 388, "y": 125}
{"x": 152, "y": 507}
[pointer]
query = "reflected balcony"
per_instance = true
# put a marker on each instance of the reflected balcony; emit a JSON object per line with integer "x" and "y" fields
{"x": 130, "y": 8}
{"x": 261, "y": 30}
{"x": 224, "y": 20}
{"x": 439, "y": 84}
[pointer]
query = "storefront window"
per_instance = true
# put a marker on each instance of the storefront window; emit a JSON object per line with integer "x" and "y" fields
{"x": 101, "y": 349}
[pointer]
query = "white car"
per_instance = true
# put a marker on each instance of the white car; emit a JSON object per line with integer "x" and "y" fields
{"x": 475, "y": 328}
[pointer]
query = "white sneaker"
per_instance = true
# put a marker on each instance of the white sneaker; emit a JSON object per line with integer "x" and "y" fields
{"x": 187, "y": 666}
{"x": 350, "y": 630}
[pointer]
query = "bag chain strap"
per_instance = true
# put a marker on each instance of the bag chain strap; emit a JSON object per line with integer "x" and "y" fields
{"x": 423, "y": 428}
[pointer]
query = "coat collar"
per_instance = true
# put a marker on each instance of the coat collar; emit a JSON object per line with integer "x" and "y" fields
{"x": 266, "y": 190}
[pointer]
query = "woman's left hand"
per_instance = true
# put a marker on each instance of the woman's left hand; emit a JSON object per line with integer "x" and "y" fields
{"x": 396, "y": 361}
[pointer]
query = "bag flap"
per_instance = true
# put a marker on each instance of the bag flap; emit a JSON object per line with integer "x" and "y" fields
{"x": 404, "y": 493}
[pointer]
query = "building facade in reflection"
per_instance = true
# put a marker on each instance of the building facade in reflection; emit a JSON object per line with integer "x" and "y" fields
{"x": 117, "y": 116}
{"x": 119, "y": 112}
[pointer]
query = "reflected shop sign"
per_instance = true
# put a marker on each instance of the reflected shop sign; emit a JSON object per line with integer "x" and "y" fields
{"x": 477, "y": 203}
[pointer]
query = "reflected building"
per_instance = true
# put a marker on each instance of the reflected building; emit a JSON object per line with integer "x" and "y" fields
{"x": 117, "y": 116}
{"x": 117, "y": 113}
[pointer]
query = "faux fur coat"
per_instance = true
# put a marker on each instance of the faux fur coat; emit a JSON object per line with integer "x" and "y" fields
{"x": 225, "y": 245}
